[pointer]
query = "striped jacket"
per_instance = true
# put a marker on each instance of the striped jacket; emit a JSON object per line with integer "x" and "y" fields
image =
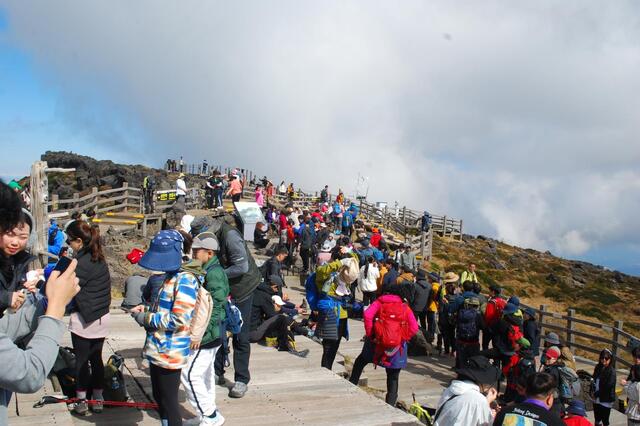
{"x": 168, "y": 340}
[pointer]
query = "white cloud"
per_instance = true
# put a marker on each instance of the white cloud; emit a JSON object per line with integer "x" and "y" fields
{"x": 523, "y": 122}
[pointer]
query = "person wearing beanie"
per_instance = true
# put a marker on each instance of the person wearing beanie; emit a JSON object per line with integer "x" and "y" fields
{"x": 552, "y": 366}
{"x": 566, "y": 356}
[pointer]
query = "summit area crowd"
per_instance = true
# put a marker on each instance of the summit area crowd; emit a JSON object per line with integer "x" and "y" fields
{"x": 203, "y": 300}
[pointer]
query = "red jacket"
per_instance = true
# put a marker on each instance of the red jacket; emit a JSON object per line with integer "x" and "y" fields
{"x": 375, "y": 240}
{"x": 282, "y": 222}
{"x": 493, "y": 311}
{"x": 574, "y": 420}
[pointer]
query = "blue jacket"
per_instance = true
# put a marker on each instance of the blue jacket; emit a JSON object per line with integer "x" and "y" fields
{"x": 390, "y": 277}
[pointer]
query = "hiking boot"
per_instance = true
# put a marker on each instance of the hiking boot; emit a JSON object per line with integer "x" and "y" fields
{"x": 81, "y": 408}
{"x": 214, "y": 420}
{"x": 238, "y": 390}
{"x": 97, "y": 406}
{"x": 304, "y": 305}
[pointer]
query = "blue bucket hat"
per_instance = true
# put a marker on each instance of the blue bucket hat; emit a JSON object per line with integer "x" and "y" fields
{"x": 514, "y": 301}
{"x": 165, "y": 252}
{"x": 434, "y": 276}
{"x": 509, "y": 309}
{"x": 530, "y": 312}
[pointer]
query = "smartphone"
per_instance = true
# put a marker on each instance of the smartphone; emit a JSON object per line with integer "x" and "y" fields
{"x": 62, "y": 265}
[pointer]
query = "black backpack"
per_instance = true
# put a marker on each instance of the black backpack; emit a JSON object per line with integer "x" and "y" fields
{"x": 467, "y": 324}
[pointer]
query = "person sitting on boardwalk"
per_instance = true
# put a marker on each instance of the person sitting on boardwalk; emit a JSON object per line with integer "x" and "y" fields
{"x": 260, "y": 239}
{"x": 467, "y": 401}
{"x": 389, "y": 324}
{"x": 536, "y": 408}
{"x": 268, "y": 318}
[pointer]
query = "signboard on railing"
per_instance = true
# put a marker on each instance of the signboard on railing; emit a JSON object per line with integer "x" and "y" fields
{"x": 166, "y": 195}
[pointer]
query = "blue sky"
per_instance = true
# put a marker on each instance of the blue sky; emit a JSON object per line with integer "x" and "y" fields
{"x": 525, "y": 128}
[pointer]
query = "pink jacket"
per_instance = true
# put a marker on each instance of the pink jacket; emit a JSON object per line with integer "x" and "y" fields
{"x": 373, "y": 309}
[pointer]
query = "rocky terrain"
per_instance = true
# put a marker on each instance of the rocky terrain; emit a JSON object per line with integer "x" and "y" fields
{"x": 541, "y": 278}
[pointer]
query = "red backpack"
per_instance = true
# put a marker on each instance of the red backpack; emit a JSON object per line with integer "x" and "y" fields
{"x": 494, "y": 309}
{"x": 391, "y": 327}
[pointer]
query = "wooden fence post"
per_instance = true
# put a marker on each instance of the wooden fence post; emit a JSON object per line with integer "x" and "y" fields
{"x": 76, "y": 204}
{"x": 54, "y": 202}
{"x": 444, "y": 226}
{"x": 94, "y": 192}
{"x": 617, "y": 327}
{"x": 571, "y": 313}
{"x": 39, "y": 192}
{"x": 543, "y": 308}
{"x": 125, "y": 186}
{"x": 460, "y": 229}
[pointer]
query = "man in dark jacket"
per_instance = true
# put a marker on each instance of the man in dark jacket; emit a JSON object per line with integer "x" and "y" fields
{"x": 273, "y": 265}
{"x": 268, "y": 319}
{"x": 392, "y": 273}
{"x": 421, "y": 292}
{"x": 531, "y": 331}
{"x": 307, "y": 239}
{"x": 244, "y": 277}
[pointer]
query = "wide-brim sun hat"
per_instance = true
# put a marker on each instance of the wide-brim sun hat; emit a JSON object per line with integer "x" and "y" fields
{"x": 552, "y": 338}
{"x": 509, "y": 309}
{"x": 450, "y": 277}
{"x": 164, "y": 253}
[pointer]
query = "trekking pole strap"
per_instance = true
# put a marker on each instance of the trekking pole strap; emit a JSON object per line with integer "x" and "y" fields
{"x": 47, "y": 399}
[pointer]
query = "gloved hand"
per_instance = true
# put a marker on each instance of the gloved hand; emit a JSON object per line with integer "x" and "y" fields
{"x": 139, "y": 317}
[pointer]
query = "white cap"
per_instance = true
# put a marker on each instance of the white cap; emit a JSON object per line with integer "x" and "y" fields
{"x": 205, "y": 240}
{"x": 277, "y": 300}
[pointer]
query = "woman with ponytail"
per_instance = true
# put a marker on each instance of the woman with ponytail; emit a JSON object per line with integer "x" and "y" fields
{"x": 90, "y": 314}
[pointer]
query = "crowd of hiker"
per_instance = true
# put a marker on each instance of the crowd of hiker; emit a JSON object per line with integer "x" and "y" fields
{"x": 204, "y": 300}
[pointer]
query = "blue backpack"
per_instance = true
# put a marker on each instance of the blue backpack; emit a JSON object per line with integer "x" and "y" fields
{"x": 337, "y": 209}
{"x": 233, "y": 322}
{"x": 311, "y": 292}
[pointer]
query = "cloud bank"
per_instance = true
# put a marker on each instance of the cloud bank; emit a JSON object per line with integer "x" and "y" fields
{"x": 521, "y": 119}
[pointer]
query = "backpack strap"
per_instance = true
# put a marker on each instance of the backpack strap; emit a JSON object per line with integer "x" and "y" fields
{"x": 435, "y": 417}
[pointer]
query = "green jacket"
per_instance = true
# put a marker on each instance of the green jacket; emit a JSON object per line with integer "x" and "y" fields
{"x": 216, "y": 282}
{"x": 324, "y": 272}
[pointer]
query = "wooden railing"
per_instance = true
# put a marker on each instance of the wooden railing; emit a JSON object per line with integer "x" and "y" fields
{"x": 125, "y": 198}
{"x": 620, "y": 342}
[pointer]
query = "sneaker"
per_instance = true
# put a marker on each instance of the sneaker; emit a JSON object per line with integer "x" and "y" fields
{"x": 238, "y": 390}
{"x": 97, "y": 406}
{"x": 81, "y": 408}
{"x": 302, "y": 354}
{"x": 215, "y": 420}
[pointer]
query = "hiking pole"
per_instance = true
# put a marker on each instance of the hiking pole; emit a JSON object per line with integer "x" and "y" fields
{"x": 47, "y": 399}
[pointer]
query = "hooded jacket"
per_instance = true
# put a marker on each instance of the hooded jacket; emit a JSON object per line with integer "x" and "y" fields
{"x": 217, "y": 284}
{"x": 94, "y": 298}
{"x": 422, "y": 291}
{"x": 462, "y": 404}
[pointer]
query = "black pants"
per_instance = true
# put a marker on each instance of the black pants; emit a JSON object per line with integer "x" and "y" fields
{"x": 464, "y": 351}
{"x": 330, "y": 347}
{"x": 305, "y": 254}
{"x": 88, "y": 351}
{"x": 421, "y": 317}
{"x": 368, "y": 297}
{"x": 448, "y": 336}
{"x": 165, "y": 384}
{"x": 277, "y": 325}
{"x": 486, "y": 339}
{"x": 393, "y": 374}
{"x": 601, "y": 414}
{"x": 241, "y": 346}
{"x": 236, "y": 197}
{"x": 261, "y": 243}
